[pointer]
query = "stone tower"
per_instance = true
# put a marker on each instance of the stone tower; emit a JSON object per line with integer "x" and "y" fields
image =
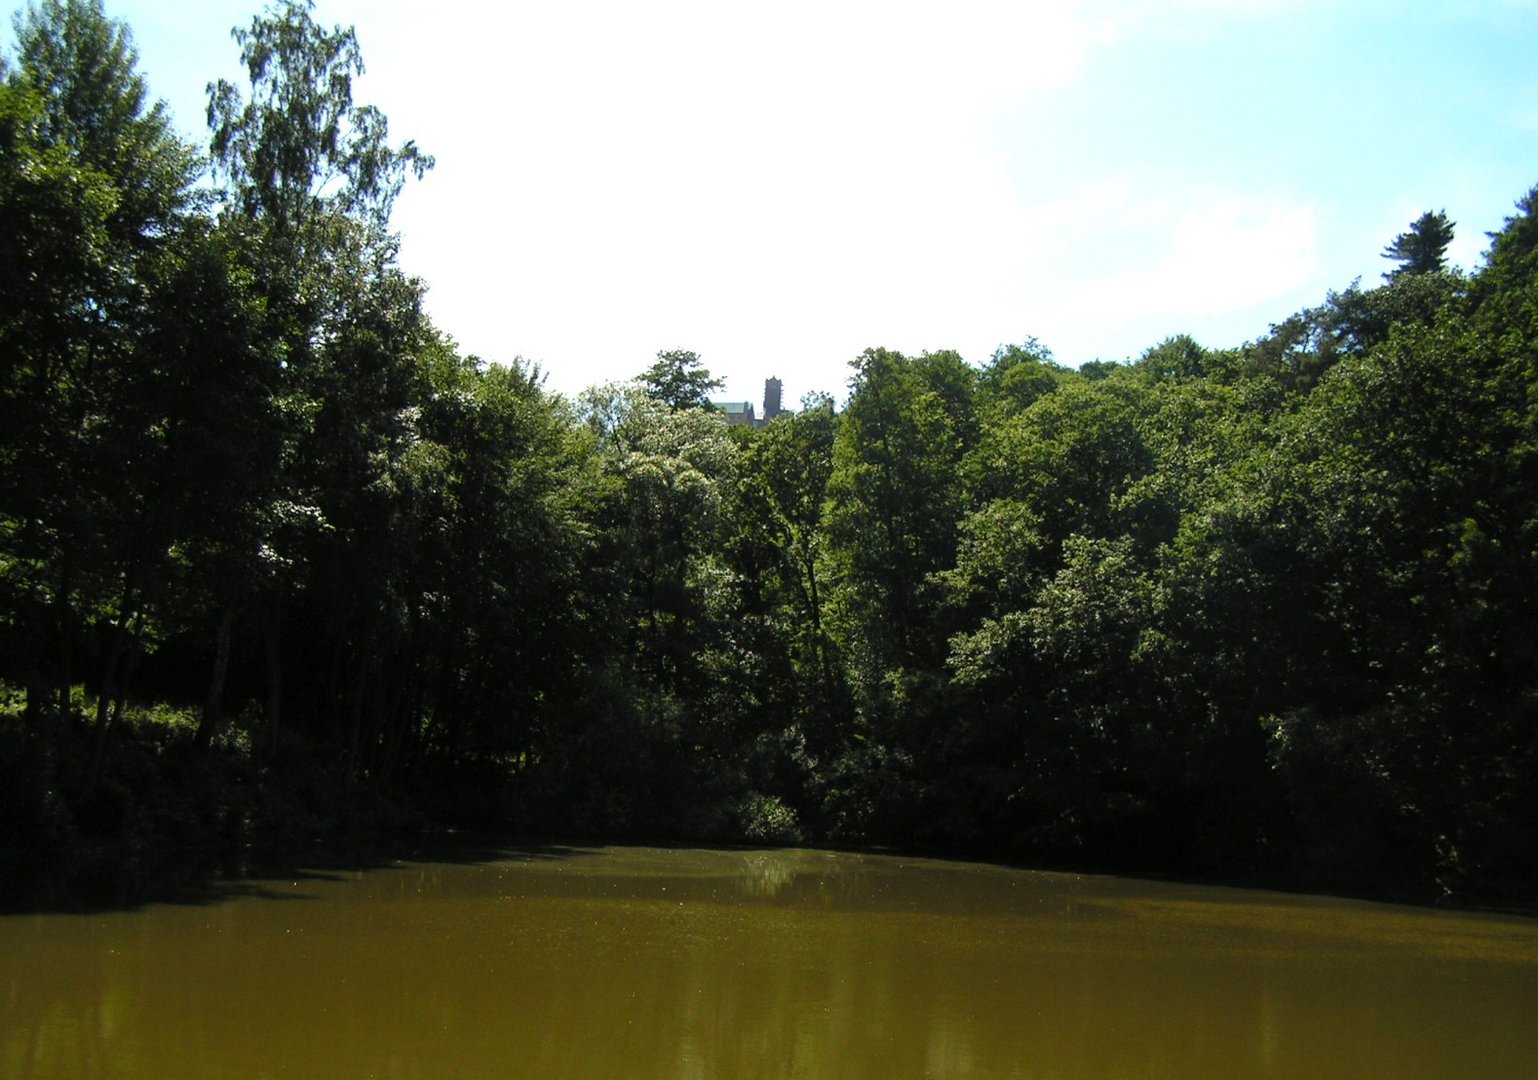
{"x": 771, "y": 399}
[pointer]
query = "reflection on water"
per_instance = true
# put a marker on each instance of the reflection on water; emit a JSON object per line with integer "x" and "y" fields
{"x": 618, "y": 963}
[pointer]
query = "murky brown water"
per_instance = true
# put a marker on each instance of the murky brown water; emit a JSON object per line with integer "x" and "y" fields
{"x": 620, "y": 963}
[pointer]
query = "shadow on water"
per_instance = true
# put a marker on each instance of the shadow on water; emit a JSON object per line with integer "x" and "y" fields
{"x": 751, "y": 874}
{"x": 194, "y": 879}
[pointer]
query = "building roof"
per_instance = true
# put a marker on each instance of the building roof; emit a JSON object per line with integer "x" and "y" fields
{"x": 737, "y": 412}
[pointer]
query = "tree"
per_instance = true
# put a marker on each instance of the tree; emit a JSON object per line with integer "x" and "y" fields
{"x": 1072, "y": 457}
{"x": 658, "y": 714}
{"x": 311, "y": 179}
{"x": 53, "y": 246}
{"x": 486, "y": 633}
{"x": 95, "y": 102}
{"x": 680, "y": 381}
{"x": 897, "y": 499}
{"x": 1517, "y": 240}
{"x": 196, "y": 427}
{"x": 299, "y": 149}
{"x": 96, "y": 186}
{"x": 1177, "y": 357}
{"x": 782, "y": 501}
{"x": 1423, "y": 248}
{"x": 1303, "y": 347}
{"x": 1016, "y": 376}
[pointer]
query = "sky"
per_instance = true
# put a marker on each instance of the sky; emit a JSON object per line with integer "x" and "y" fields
{"x": 779, "y": 186}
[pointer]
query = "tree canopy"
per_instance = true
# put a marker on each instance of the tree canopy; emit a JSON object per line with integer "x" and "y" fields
{"x": 680, "y": 380}
{"x": 1423, "y": 248}
{"x": 277, "y": 559}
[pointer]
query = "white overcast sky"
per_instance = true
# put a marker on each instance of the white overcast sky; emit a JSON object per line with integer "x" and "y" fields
{"x": 778, "y": 186}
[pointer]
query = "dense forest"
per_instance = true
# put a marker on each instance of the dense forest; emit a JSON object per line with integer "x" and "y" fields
{"x": 279, "y": 562}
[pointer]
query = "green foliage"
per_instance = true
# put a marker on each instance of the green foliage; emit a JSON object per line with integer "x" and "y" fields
{"x": 95, "y": 186}
{"x": 896, "y": 498}
{"x": 680, "y": 381}
{"x": 1517, "y": 241}
{"x": 1015, "y": 377}
{"x": 82, "y": 65}
{"x": 764, "y": 819}
{"x": 1175, "y": 358}
{"x": 297, "y": 149}
{"x": 1423, "y": 249}
{"x": 1300, "y": 349}
{"x": 1071, "y": 457}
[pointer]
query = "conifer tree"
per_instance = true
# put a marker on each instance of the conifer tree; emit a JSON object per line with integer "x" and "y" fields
{"x": 1423, "y": 248}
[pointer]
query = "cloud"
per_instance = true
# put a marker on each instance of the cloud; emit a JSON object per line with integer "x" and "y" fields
{"x": 775, "y": 186}
{"x": 1121, "y": 263}
{"x": 660, "y": 170}
{"x": 1219, "y": 253}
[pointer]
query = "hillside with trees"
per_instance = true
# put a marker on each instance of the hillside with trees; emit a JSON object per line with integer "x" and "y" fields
{"x": 278, "y": 562}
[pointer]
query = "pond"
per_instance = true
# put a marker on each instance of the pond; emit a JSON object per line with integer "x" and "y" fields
{"x": 621, "y": 963}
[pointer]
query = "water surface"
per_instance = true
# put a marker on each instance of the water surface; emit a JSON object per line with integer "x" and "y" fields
{"x": 618, "y": 963}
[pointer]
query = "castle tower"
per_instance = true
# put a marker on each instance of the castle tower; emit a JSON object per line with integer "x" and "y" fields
{"x": 771, "y": 399}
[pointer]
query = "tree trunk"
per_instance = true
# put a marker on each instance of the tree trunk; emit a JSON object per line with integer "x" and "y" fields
{"x": 336, "y": 698}
{"x": 272, "y": 625}
{"x": 66, "y": 639}
{"x": 405, "y": 713}
{"x": 109, "y": 693}
{"x": 355, "y": 717}
{"x": 37, "y": 696}
{"x": 213, "y": 704}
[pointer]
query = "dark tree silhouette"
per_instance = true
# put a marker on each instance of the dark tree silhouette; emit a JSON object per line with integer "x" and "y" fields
{"x": 1422, "y": 249}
